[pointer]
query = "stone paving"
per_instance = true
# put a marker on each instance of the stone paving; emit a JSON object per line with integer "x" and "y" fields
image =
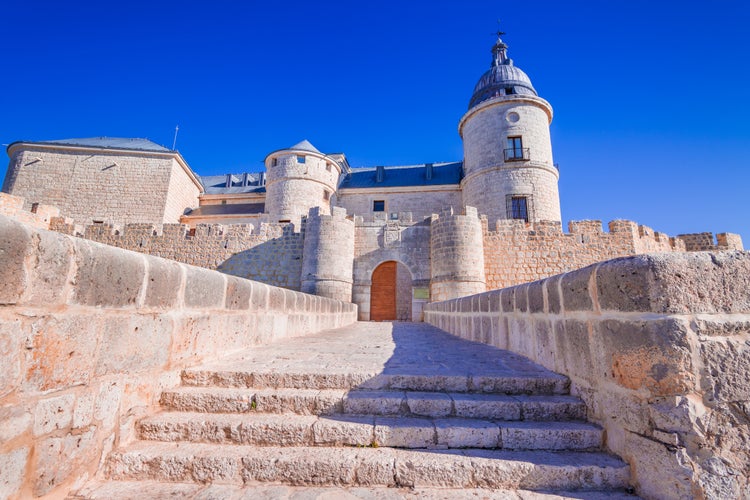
{"x": 372, "y": 410}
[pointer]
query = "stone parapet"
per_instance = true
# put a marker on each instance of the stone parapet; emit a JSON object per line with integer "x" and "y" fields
{"x": 657, "y": 347}
{"x": 91, "y": 334}
{"x": 36, "y": 215}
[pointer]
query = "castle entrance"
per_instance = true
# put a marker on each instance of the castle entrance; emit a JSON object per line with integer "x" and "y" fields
{"x": 391, "y": 291}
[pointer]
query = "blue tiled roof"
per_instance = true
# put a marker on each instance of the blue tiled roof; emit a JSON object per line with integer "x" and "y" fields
{"x": 111, "y": 143}
{"x": 217, "y": 184}
{"x": 403, "y": 176}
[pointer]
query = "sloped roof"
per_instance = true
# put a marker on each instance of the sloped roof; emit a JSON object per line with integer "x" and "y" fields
{"x": 136, "y": 144}
{"x": 306, "y": 146}
{"x": 217, "y": 184}
{"x": 403, "y": 176}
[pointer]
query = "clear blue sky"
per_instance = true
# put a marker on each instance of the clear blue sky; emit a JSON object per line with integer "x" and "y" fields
{"x": 651, "y": 98}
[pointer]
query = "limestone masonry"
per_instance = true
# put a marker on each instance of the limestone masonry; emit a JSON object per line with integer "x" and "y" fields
{"x": 311, "y": 222}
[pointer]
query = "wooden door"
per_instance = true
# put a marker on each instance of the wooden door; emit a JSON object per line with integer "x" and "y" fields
{"x": 383, "y": 292}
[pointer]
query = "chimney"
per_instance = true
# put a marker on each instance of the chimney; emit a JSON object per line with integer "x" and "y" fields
{"x": 228, "y": 183}
{"x": 428, "y": 171}
{"x": 379, "y": 173}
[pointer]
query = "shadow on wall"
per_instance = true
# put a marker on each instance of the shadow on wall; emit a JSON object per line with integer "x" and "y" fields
{"x": 276, "y": 262}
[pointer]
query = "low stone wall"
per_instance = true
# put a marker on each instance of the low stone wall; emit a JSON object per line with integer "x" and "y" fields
{"x": 91, "y": 334}
{"x": 658, "y": 346}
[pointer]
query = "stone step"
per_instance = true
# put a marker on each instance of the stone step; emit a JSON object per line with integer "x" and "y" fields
{"x": 367, "y": 467}
{"x": 353, "y": 430}
{"x": 134, "y": 490}
{"x": 508, "y": 382}
{"x": 330, "y": 401}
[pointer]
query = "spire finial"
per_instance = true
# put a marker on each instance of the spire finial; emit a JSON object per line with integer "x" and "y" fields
{"x": 498, "y": 50}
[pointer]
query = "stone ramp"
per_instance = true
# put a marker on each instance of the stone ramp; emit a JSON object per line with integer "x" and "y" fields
{"x": 367, "y": 407}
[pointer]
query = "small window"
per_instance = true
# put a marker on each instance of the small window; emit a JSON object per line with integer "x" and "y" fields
{"x": 223, "y": 202}
{"x": 378, "y": 206}
{"x": 514, "y": 150}
{"x": 300, "y": 159}
{"x": 275, "y": 162}
{"x": 519, "y": 208}
{"x": 98, "y": 221}
{"x": 285, "y": 221}
{"x": 326, "y": 195}
{"x": 34, "y": 207}
{"x": 328, "y": 167}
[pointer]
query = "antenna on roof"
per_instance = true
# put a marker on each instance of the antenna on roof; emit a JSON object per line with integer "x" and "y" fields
{"x": 174, "y": 142}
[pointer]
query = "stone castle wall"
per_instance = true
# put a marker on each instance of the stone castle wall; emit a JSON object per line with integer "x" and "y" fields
{"x": 101, "y": 186}
{"x": 271, "y": 254}
{"x": 90, "y": 335}
{"x": 657, "y": 346}
{"x": 516, "y": 252}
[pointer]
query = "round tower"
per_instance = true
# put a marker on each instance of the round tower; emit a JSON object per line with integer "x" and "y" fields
{"x": 298, "y": 179}
{"x": 328, "y": 256}
{"x": 508, "y": 167}
{"x": 456, "y": 255}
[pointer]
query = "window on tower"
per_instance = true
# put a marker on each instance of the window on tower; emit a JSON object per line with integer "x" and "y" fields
{"x": 518, "y": 207}
{"x": 515, "y": 151}
{"x": 300, "y": 159}
{"x": 378, "y": 206}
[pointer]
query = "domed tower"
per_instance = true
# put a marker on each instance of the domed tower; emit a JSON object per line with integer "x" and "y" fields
{"x": 298, "y": 179}
{"x": 508, "y": 168}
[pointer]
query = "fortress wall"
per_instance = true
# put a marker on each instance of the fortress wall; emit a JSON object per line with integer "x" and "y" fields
{"x": 516, "y": 252}
{"x": 657, "y": 346}
{"x": 328, "y": 255}
{"x": 90, "y": 335}
{"x": 421, "y": 204}
{"x": 271, "y": 254}
{"x": 114, "y": 187}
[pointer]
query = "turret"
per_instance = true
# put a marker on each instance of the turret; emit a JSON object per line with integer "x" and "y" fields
{"x": 508, "y": 167}
{"x": 298, "y": 179}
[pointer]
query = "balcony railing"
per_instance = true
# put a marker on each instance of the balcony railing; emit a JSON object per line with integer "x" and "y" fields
{"x": 516, "y": 154}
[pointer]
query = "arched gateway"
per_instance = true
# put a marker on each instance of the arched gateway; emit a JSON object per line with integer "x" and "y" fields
{"x": 391, "y": 292}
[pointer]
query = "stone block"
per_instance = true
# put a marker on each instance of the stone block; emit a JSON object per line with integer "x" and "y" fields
{"x": 131, "y": 344}
{"x": 645, "y": 355}
{"x": 107, "y": 405}
{"x": 404, "y": 432}
{"x": 15, "y": 245}
{"x": 624, "y": 284}
{"x": 259, "y": 298}
{"x": 727, "y": 366}
{"x": 51, "y": 268}
{"x": 507, "y": 299}
{"x": 163, "y": 284}
{"x": 554, "y": 302}
{"x": 238, "y": 293}
{"x": 276, "y": 299}
{"x": 467, "y": 433}
{"x": 343, "y": 430}
{"x": 12, "y": 469}
{"x": 204, "y": 289}
{"x": 56, "y": 458}
{"x": 10, "y": 355}
{"x": 575, "y": 290}
{"x": 53, "y": 414}
{"x": 574, "y": 348}
{"x": 16, "y": 420}
{"x": 522, "y": 301}
{"x": 107, "y": 276}
{"x": 535, "y": 292}
{"x": 701, "y": 282}
{"x": 61, "y": 351}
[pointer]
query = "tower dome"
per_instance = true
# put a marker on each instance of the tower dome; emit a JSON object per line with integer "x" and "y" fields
{"x": 503, "y": 78}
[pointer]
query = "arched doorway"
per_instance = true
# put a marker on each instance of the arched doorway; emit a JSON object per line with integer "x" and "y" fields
{"x": 391, "y": 292}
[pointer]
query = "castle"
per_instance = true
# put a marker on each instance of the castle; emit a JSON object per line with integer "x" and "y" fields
{"x": 389, "y": 238}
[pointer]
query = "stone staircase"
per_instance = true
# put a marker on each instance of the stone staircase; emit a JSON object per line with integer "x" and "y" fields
{"x": 373, "y": 410}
